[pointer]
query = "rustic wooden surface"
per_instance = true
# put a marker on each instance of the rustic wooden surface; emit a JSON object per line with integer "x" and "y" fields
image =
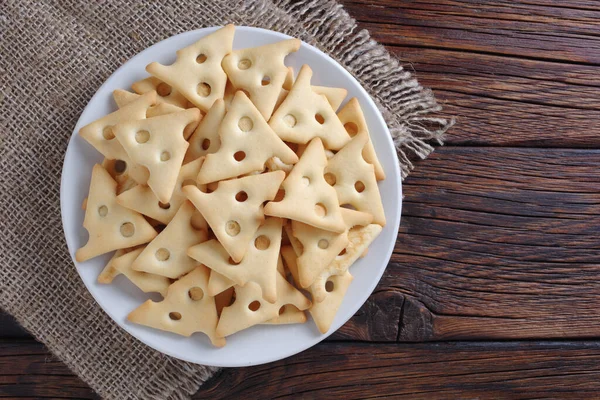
{"x": 494, "y": 286}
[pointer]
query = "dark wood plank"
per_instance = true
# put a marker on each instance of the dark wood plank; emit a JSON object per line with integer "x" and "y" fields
{"x": 500, "y": 243}
{"x": 423, "y": 371}
{"x": 546, "y": 30}
{"x": 28, "y": 370}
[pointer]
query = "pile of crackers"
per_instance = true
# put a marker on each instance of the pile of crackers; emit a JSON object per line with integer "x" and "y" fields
{"x": 240, "y": 194}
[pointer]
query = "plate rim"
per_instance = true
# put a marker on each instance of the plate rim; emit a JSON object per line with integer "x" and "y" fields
{"x": 318, "y": 338}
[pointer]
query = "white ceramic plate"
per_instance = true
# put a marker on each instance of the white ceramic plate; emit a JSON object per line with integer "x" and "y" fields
{"x": 259, "y": 344}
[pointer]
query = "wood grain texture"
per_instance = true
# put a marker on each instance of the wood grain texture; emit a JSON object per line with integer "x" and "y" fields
{"x": 420, "y": 371}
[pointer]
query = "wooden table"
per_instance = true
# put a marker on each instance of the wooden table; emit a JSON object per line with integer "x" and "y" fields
{"x": 494, "y": 286}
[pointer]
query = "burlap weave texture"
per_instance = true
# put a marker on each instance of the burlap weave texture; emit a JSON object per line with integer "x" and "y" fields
{"x": 53, "y": 56}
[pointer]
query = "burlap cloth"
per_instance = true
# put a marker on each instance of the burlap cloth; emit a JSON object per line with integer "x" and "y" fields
{"x": 53, "y": 57}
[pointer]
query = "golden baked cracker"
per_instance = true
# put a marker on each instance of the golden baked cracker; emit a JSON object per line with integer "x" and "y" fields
{"x": 229, "y": 94}
{"x": 321, "y": 247}
{"x": 259, "y": 264}
{"x": 335, "y": 96}
{"x": 110, "y": 225}
{"x": 360, "y": 238}
{"x": 304, "y": 115}
{"x": 100, "y": 133}
{"x": 218, "y": 283}
{"x": 224, "y": 299}
{"x": 197, "y": 73}
{"x": 158, "y": 144}
{"x": 288, "y": 314}
{"x": 124, "y": 97}
{"x": 275, "y": 164}
{"x": 247, "y": 143}
{"x": 354, "y": 179}
{"x": 324, "y": 312}
{"x": 146, "y": 282}
{"x": 249, "y": 308}
{"x": 166, "y": 255}
{"x": 352, "y": 117}
{"x": 290, "y": 258}
{"x": 205, "y": 139}
{"x": 109, "y": 272}
{"x": 166, "y": 94}
{"x": 186, "y": 309}
{"x": 260, "y": 72}
{"x": 308, "y": 197}
{"x": 234, "y": 211}
{"x": 143, "y": 200}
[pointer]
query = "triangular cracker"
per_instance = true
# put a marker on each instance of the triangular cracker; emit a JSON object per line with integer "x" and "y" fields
{"x": 260, "y": 71}
{"x": 218, "y": 283}
{"x": 158, "y": 144}
{"x": 167, "y": 255}
{"x": 335, "y": 96}
{"x": 223, "y": 299}
{"x": 186, "y": 309}
{"x": 110, "y": 225}
{"x": 352, "y": 117}
{"x": 304, "y": 115}
{"x": 288, "y": 314}
{"x": 205, "y": 138}
{"x": 259, "y": 265}
{"x": 247, "y": 143}
{"x": 146, "y": 282}
{"x": 143, "y": 200}
{"x": 100, "y": 133}
{"x": 250, "y": 309}
{"x": 308, "y": 197}
{"x": 197, "y": 73}
{"x": 109, "y": 272}
{"x": 354, "y": 179}
{"x": 166, "y": 94}
{"x": 234, "y": 211}
{"x": 360, "y": 238}
{"x": 321, "y": 247}
{"x": 324, "y": 312}
{"x": 124, "y": 97}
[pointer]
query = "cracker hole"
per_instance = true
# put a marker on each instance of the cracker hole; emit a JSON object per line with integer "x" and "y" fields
{"x": 281, "y": 310}
{"x": 305, "y": 180}
{"x": 162, "y": 254}
{"x": 232, "y": 228}
{"x": 196, "y": 293}
{"x": 323, "y": 244}
{"x": 320, "y": 210}
{"x": 197, "y": 221}
{"x": 120, "y": 167}
{"x": 319, "y": 118}
{"x": 188, "y": 182}
{"x": 127, "y": 229}
{"x": 165, "y": 156}
{"x": 330, "y": 178}
{"x": 102, "y": 211}
{"x": 108, "y": 133}
{"x": 359, "y": 186}
{"x": 245, "y": 124}
{"x": 279, "y": 196}
{"x": 232, "y": 261}
{"x": 205, "y": 144}
{"x": 254, "y": 306}
{"x": 290, "y": 120}
{"x": 163, "y": 89}
{"x": 164, "y": 206}
{"x": 262, "y": 242}
{"x": 329, "y": 286}
{"x": 239, "y": 156}
{"x": 142, "y": 136}
{"x": 175, "y": 316}
{"x": 244, "y": 64}
{"x": 351, "y": 128}
{"x": 266, "y": 80}
{"x": 203, "y": 89}
{"x": 201, "y": 58}
{"x": 241, "y": 196}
